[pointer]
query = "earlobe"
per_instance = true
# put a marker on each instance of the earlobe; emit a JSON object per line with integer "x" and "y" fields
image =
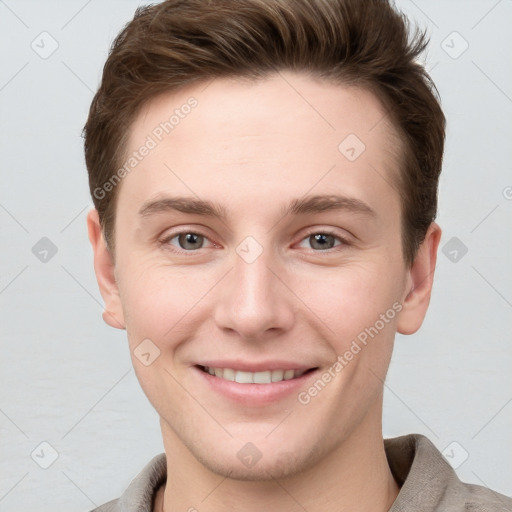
{"x": 419, "y": 283}
{"x": 104, "y": 270}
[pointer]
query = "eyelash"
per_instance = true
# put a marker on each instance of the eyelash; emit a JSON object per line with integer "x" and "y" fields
{"x": 166, "y": 241}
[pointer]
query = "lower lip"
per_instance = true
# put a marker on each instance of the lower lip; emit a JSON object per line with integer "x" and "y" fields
{"x": 255, "y": 394}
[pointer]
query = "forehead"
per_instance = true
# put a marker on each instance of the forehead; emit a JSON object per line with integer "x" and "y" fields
{"x": 287, "y": 131}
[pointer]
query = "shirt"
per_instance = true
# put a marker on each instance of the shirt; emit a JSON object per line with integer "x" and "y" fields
{"x": 427, "y": 483}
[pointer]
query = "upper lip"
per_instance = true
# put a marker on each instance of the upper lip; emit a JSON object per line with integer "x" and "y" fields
{"x": 251, "y": 366}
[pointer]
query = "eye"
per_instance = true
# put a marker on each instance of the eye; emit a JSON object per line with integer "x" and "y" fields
{"x": 322, "y": 241}
{"x": 187, "y": 241}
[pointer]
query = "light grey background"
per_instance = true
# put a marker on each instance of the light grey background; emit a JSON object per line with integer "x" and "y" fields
{"x": 66, "y": 378}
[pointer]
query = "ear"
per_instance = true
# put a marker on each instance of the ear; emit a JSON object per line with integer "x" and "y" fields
{"x": 104, "y": 269}
{"x": 419, "y": 282}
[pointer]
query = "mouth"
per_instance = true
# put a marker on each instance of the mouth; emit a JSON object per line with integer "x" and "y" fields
{"x": 259, "y": 377}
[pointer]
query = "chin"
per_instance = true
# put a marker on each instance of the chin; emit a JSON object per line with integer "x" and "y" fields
{"x": 271, "y": 466}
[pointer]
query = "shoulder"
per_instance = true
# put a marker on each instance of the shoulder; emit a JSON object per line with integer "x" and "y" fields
{"x": 111, "y": 506}
{"x": 481, "y": 499}
{"x": 430, "y": 484}
{"x": 140, "y": 493}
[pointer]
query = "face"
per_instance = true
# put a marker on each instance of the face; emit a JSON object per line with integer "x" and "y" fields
{"x": 260, "y": 241}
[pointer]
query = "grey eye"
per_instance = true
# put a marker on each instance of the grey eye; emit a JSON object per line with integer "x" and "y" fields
{"x": 322, "y": 241}
{"x": 190, "y": 241}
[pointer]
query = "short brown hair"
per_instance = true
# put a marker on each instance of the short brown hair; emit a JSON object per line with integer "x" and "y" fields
{"x": 365, "y": 43}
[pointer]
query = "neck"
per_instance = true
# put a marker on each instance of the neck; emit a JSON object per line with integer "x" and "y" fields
{"x": 355, "y": 476}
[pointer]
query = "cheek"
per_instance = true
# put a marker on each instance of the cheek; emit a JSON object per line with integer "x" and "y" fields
{"x": 164, "y": 302}
{"x": 159, "y": 304}
{"x": 349, "y": 300}
{"x": 157, "y": 299}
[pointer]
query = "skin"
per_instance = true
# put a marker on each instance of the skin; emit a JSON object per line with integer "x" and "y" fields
{"x": 252, "y": 148}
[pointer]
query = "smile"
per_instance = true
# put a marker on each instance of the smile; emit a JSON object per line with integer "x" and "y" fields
{"x": 262, "y": 377}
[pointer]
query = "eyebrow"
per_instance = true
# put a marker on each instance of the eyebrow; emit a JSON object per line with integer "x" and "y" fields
{"x": 184, "y": 205}
{"x": 305, "y": 205}
{"x": 322, "y": 203}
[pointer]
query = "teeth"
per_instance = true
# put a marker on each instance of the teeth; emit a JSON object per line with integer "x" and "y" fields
{"x": 262, "y": 377}
{"x": 289, "y": 374}
{"x": 265, "y": 377}
{"x": 242, "y": 377}
{"x": 229, "y": 374}
{"x": 277, "y": 375}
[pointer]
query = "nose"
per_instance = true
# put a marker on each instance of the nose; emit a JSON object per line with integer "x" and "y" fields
{"x": 253, "y": 301}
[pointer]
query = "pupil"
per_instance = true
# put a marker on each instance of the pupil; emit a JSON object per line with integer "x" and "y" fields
{"x": 190, "y": 241}
{"x": 323, "y": 241}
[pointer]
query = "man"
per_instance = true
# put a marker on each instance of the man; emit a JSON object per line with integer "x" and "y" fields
{"x": 265, "y": 178}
